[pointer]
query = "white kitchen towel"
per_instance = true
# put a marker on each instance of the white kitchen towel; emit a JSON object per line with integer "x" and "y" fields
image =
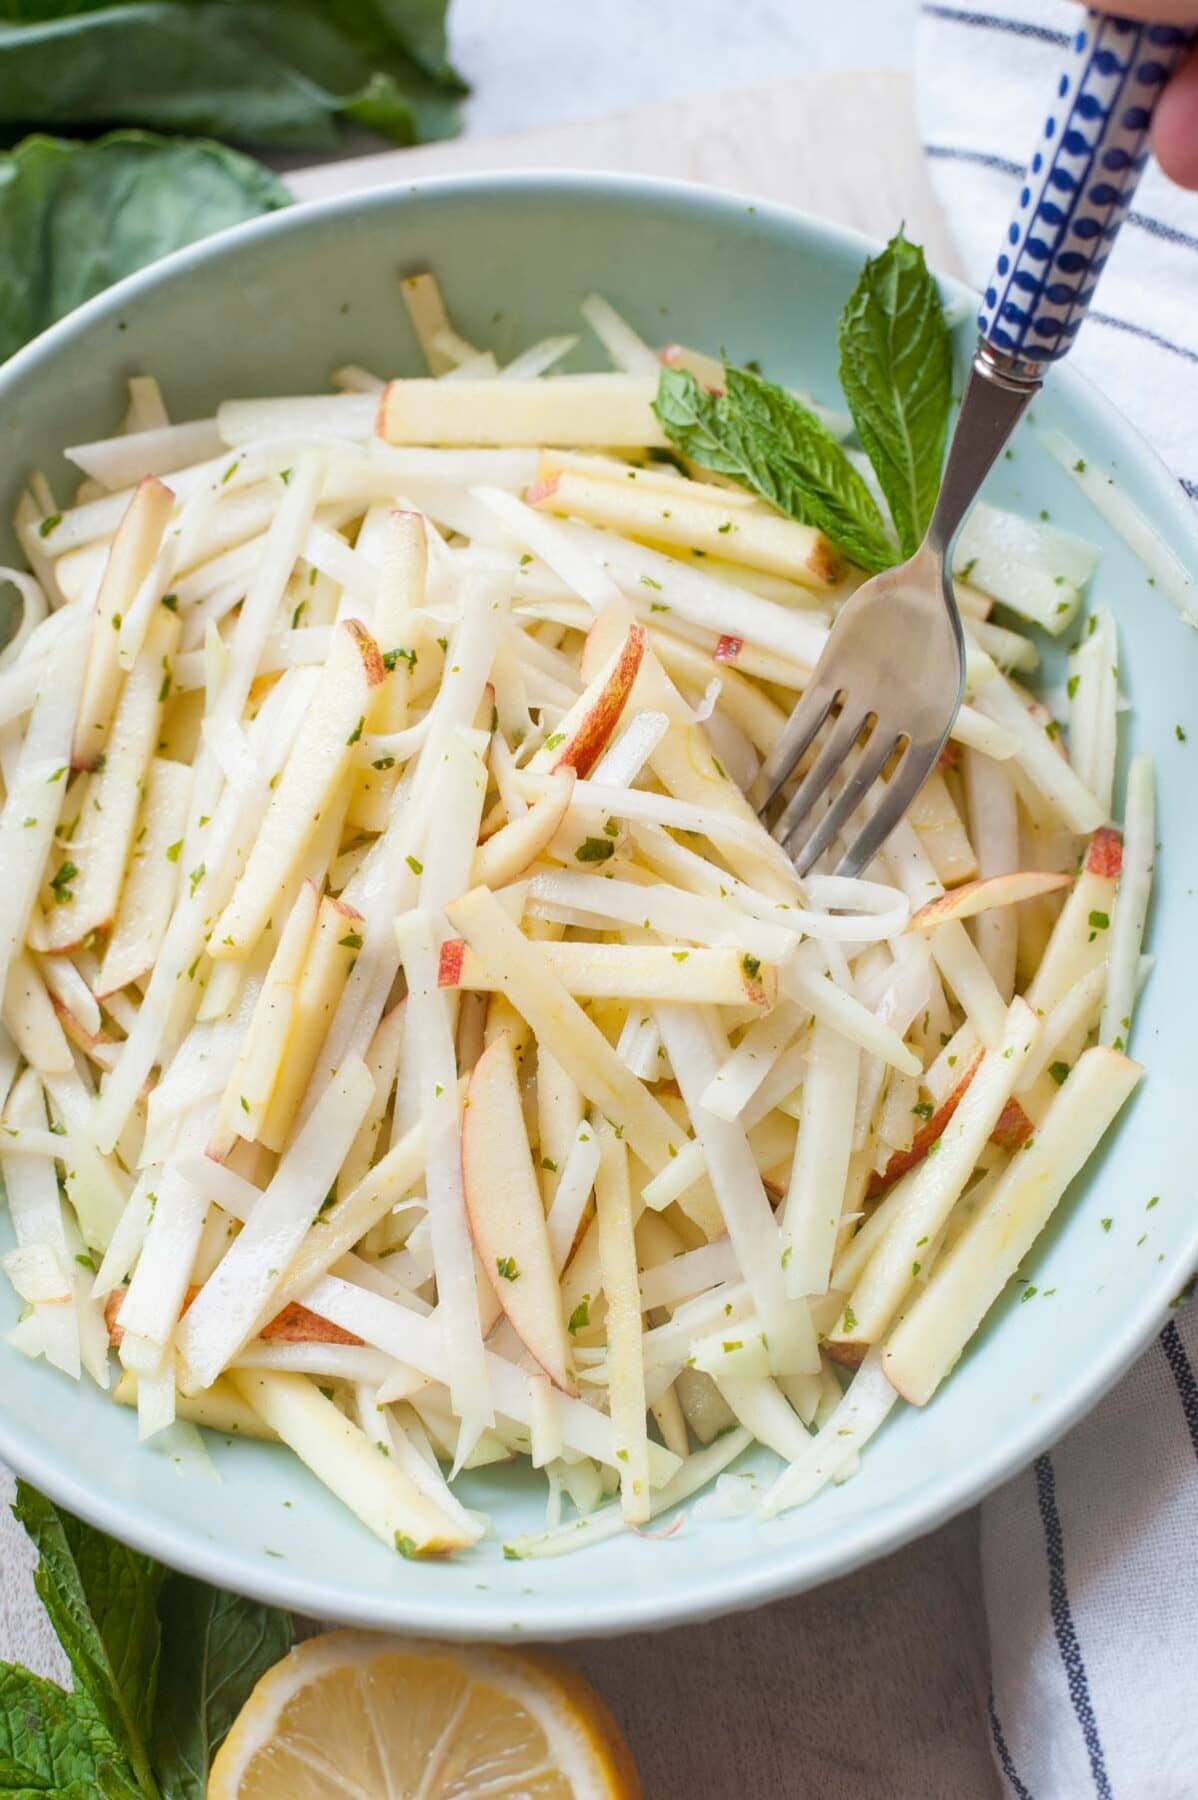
{"x": 1090, "y": 1580}
{"x": 986, "y": 76}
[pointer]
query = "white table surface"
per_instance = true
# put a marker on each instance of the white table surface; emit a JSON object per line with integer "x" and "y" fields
{"x": 544, "y": 62}
{"x": 872, "y": 1688}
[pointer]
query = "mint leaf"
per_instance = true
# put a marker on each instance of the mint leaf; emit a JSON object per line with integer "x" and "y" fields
{"x": 215, "y": 1646}
{"x": 896, "y": 369}
{"x": 772, "y": 444}
{"x": 831, "y": 492}
{"x": 688, "y": 415}
{"x": 102, "y": 1600}
{"x": 49, "y": 1741}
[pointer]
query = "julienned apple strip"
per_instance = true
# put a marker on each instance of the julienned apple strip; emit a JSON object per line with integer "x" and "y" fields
{"x": 35, "y": 792}
{"x": 345, "y": 1460}
{"x": 328, "y": 959}
{"x": 427, "y": 1023}
{"x": 625, "y": 1357}
{"x": 91, "y": 895}
{"x": 249, "y": 1088}
{"x": 505, "y": 855}
{"x": 97, "y": 1186}
{"x": 319, "y": 760}
{"x": 506, "y": 1212}
{"x": 815, "y": 1198}
{"x": 519, "y": 971}
{"x": 1081, "y": 936}
{"x": 219, "y": 1407}
{"x": 1131, "y": 905}
{"x": 640, "y": 572}
{"x": 558, "y": 409}
{"x": 978, "y": 897}
{"x": 246, "y": 1280}
{"x": 382, "y": 1059}
{"x": 148, "y": 893}
{"x": 443, "y": 349}
{"x": 960, "y": 963}
{"x": 754, "y": 536}
{"x": 759, "y": 717}
{"x": 134, "y": 548}
{"x": 645, "y": 972}
{"x": 929, "y": 1338}
{"x": 660, "y": 478}
{"x": 154, "y": 1299}
{"x": 31, "y": 1187}
{"x": 940, "y": 1180}
{"x": 574, "y": 1185}
{"x": 31, "y": 1021}
{"x": 1038, "y": 757}
{"x": 669, "y": 911}
{"x": 584, "y": 732}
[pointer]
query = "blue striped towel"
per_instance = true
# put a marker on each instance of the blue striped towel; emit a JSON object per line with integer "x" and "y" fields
{"x": 1088, "y": 1557}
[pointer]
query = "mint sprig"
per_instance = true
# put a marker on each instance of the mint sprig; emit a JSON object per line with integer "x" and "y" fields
{"x": 161, "y": 1664}
{"x": 896, "y": 371}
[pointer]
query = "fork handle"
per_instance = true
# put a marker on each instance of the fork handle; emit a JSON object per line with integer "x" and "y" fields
{"x": 1077, "y": 189}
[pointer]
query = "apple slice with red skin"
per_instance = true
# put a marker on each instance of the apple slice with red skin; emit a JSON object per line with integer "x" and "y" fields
{"x": 924, "y": 1138}
{"x": 1105, "y": 853}
{"x": 295, "y": 1324}
{"x": 1013, "y": 1127}
{"x": 973, "y": 897}
{"x": 1011, "y": 1131}
{"x": 506, "y": 1212}
{"x": 588, "y": 736}
{"x": 1093, "y": 890}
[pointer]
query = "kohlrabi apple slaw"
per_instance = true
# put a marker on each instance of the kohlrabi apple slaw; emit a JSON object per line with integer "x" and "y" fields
{"x": 415, "y": 1049}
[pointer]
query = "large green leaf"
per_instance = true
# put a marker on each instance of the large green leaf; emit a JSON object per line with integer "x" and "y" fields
{"x": 76, "y": 217}
{"x": 278, "y": 72}
{"x": 215, "y": 1646}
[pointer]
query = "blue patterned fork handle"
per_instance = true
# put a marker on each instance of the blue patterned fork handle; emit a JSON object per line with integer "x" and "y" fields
{"x": 1076, "y": 192}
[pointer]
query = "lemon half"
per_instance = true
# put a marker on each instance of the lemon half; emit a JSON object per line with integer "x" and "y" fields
{"x": 352, "y": 1716}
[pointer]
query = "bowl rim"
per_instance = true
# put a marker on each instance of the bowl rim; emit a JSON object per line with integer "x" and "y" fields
{"x": 787, "y": 1569}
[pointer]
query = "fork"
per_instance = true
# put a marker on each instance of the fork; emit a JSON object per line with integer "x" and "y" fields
{"x": 894, "y": 663}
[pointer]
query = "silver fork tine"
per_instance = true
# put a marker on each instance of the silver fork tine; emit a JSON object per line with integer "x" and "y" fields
{"x": 798, "y": 734}
{"x": 901, "y": 789}
{"x": 872, "y": 761}
{"x": 833, "y": 751}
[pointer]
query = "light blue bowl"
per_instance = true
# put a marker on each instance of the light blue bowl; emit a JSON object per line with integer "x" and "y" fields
{"x": 272, "y": 307}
